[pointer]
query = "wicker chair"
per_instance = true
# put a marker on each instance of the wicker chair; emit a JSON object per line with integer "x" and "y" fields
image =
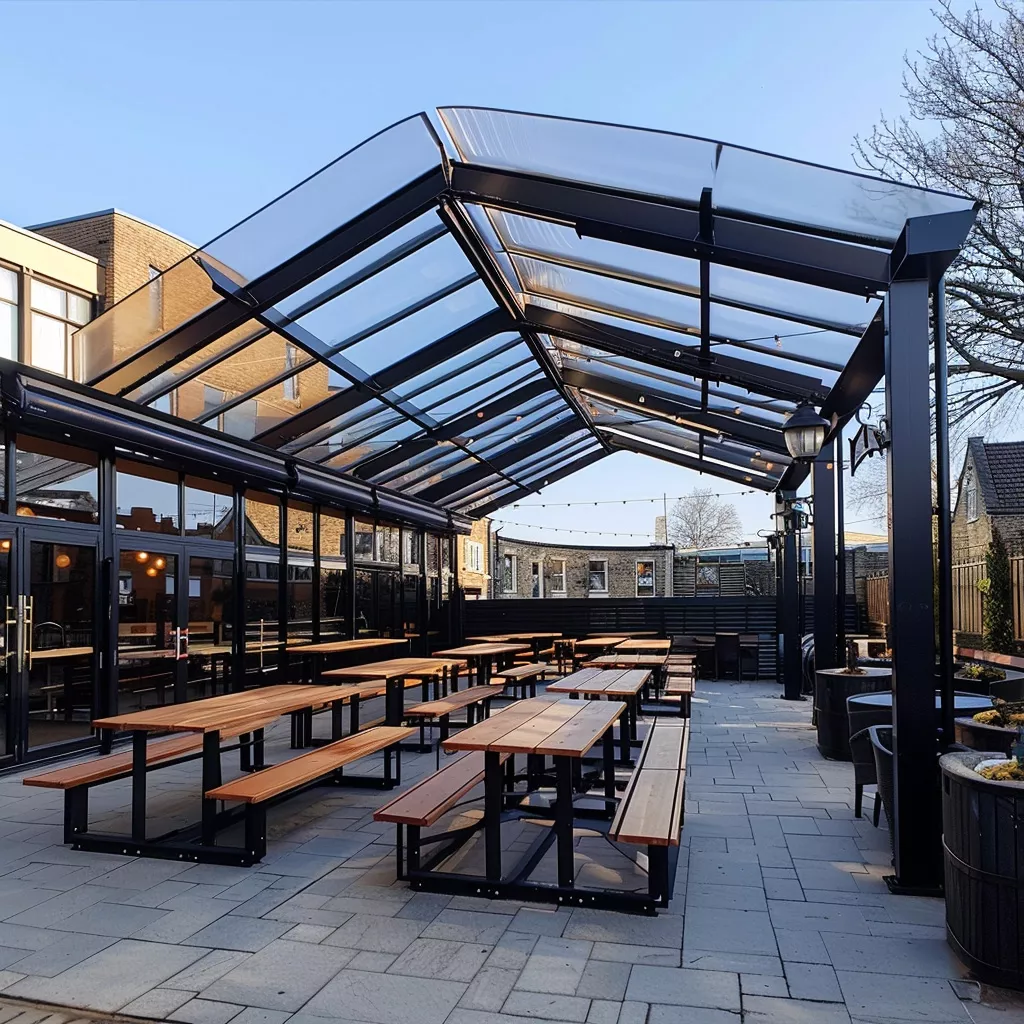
{"x": 881, "y": 743}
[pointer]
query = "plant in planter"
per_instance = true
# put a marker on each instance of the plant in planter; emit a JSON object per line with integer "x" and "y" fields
{"x": 852, "y": 668}
{"x": 1005, "y": 714}
{"x": 981, "y": 673}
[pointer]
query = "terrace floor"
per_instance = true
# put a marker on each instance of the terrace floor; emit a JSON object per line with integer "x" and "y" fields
{"x": 780, "y": 914}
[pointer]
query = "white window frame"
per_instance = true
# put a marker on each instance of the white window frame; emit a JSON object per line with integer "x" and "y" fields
{"x": 513, "y": 562}
{"x": 474, "y": 556}
{"x": 654, "y": 576}
{"x": 604, "y": 562}
{"x": 540, "y": 578}
{"x": 556, "y": 574}
{"x": 972, "y": 502}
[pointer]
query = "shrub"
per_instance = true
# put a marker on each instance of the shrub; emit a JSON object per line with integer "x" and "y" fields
{"x": 998, "y": 611}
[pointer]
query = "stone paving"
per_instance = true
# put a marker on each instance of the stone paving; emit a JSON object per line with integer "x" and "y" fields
{"x": 780, "y": 915}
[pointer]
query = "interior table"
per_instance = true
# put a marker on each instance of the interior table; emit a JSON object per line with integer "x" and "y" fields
{"x": 251, "y": 708}
{"x": 481, "y": 656}
{"x": 394, "y": 672}
{"x": 617, "y": 684}
{"x": 564, "y": 730}
{"x": 626, "y": 633}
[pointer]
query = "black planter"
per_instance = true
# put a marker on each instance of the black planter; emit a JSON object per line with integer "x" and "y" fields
{"x": 984, "y": 861}
{"x": 979, "y": 736}
{"x": 831, "y": 688}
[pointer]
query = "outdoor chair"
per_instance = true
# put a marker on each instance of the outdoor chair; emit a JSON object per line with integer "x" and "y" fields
{"x": 881, "y": 744}
{"x": 864, "y": 772}
{"x": 749, "y": 652}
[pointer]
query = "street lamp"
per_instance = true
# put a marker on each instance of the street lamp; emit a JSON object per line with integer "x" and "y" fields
{"x": 804, "y": 432}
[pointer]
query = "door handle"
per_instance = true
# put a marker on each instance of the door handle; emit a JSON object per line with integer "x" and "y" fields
{"x": 29, "y": 619}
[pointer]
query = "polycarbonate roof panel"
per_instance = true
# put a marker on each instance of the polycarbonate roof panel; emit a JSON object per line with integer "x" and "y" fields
{"x": 465, "y": 329}
{"x": 679, "y": 167}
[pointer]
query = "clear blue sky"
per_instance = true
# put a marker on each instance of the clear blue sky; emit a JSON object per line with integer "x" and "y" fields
{"x": 190, "y": 115}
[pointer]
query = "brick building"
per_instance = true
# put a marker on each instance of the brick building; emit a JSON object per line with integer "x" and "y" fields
{"x": 475, "y": 561}
{"x": 990, "y": 494}
{"x": 526, "y": 568}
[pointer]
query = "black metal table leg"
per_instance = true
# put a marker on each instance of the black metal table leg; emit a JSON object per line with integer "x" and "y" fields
{"x": 353, "y": 721}
{"x": 608, "y": 752}
{"x": 625, "y": 744}
{"x": 337, "y": 722}
{"x": 563, "y": 821}
{"x": 211, "y": 780}
{"x": 492, "y": 814}
{"x": 139, "y": 738}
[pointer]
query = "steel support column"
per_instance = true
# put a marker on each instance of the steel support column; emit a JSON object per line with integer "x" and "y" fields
{"x": 944, "y": 561}
{"x": 917, "y": 828}
{"x": 840, "y": 549}
{"x": 824, "y": 554}
{"x": 789, "y": 624}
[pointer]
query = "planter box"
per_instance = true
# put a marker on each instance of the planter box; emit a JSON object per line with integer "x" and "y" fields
{"x": 984, "y": 870}
{"x": 979, "y": 736}
{"x": 831, "y": 688}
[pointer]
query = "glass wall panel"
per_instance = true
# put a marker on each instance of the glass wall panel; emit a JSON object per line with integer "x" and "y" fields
{"x": 208, "y": 505}
{"x": 388, "y": 544}
{"x": 366, "y": 607}
{"x": 299, "y": 582}
{"x": 411, "y": 549}
{"x": 210, "y": 601}
{"x": 262, "y": 571}
{"x": 411, "y": 603}
{"x": 147, "y": 625}
{"x": 364, "y": 537}
{"x": 147, "y": 498}
{"x": 334, "y": 623}
{"x": 56, "y": 481}
{"x": 61, "y": 687}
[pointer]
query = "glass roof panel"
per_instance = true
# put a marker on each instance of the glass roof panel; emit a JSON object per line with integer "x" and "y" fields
{"x": 289, "y": 397}
{"x": 741, "y": 325}
{"x": 483, "y": 362}
{"x": 375, "y": 169}
{"x": 445, "y": 407}
{"x": 507, "y": 440}
{"x": 677, "y": 337}
{"x": 426, "y": 468}
{"x": 679, "y": 167}
{"x": 608, "y": 295}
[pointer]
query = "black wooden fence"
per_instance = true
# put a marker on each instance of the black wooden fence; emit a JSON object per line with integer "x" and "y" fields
{"x": 668, "y": 616}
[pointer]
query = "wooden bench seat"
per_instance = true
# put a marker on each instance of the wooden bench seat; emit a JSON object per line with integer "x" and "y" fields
{"x": 427, "y": 801}
{"x": 651, "y": 810}
{"x": 256, "y": 791}
{"x": 476, "y": 701}
{"x": 682, "y": 688}
{"x": 522, "y": 677}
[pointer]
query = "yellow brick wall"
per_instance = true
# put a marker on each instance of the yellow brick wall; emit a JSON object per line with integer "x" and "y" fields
{"x": 475, "y": 581}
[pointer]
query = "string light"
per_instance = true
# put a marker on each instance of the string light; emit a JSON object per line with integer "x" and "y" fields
{"x": 563, "y": 529}
{"x": 628, "y": 501}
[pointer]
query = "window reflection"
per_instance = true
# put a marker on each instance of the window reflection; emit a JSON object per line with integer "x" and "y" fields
{"x": 208, "y": 506}
{"x": 56, "y": 481}
{"x": 333, "y": 577}
{"x": 299, "y": 580}
{"x": 147, "y": 498}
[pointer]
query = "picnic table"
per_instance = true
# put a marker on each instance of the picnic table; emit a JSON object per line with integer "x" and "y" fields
{"x": 617, "y": 658}
{"x": 564, "y": 730}
{"x": 619, "y": 684}
{"x": 536, "y": 640}
{"x": 243, "y": 713}
{"x": 626, "y": 633}
{"x": 393, "y": 672}
{"x": 481, "y": 656}
{"x": 652, "y": 646}
{"x": 314, "y": 654}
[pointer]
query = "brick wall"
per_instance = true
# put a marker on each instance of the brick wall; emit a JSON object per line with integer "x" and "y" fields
{"x": 621, "y": 574}
{"x": 476, "y": 584}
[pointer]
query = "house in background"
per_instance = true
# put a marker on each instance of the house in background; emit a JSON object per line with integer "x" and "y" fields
{"x": 990, "y": 494}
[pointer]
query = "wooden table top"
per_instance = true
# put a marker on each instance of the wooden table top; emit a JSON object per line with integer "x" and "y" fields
{"x": 215, "y": 713}
{"x": 541, "y": 726}
{"x": 598, "y": 643}
{"x": 500, "y": 638}
{"x": 645, "y": 645}
{"x": 483, "y": 650}
{"x": 340, "y": 646}
{"x": 393, "y": 668}
{"x": 616, "y": 660}
{"x": 594, "y": 681}
{"x": 56, "y": 653}
{"x": 626, "y": 633}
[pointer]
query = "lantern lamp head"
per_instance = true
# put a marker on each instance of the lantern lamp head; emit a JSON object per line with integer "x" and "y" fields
{"x": 804, "y": 432}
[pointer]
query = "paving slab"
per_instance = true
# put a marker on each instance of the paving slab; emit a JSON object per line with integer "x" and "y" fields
{"x": 385, "y": 998}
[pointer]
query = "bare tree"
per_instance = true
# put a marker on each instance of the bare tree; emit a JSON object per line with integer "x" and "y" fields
{"x": 701, "y": 519}
{"x": 964, "y": 132}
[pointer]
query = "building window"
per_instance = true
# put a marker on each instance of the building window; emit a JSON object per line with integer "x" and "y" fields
{"x": 597, "y": 576}
{"x": 509, "y": 583}
{"x": 645, "y": 579}
{"x": 474, "y": 556}
{"x": 410, "y": 548}
{"x": 972, "y": 502}
{"x": 291, "y": 384}
{"x": 536, "y": 580}
{"x": 56, "y": 315}
{"x": 8, "y": 313}
{"x": 558, "y": 576}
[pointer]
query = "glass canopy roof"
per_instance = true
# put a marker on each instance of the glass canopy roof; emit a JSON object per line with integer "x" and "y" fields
{"x": 468, "y": 312}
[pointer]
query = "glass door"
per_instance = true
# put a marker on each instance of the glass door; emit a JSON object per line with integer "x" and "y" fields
{"x": 210, "y": 595}
{"x": 7, "y": 666}
{"x": 51, "y": 630}
{"x": 152, "y": 645}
